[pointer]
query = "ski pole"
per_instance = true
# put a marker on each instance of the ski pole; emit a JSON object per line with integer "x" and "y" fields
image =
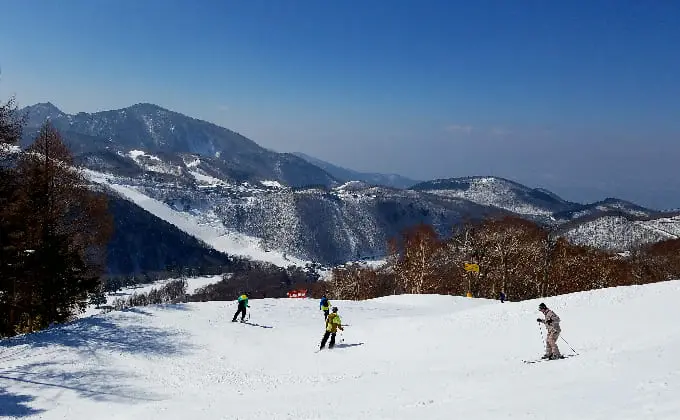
{"x": 572, "y": 349}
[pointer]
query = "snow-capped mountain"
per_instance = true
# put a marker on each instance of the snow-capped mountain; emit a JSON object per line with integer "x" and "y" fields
{"x": 226, "y": 181}
{"x": 619, "y": 233}
{"x": 243, "y": 199}
{"x": 330, "y": 226}
{"x": 501, "y": 193}
{"x": 102, "y": 138}
{"x": 610, "y": 224}
{"x": 606, "y": 207}
{"x": 344, "y": 174}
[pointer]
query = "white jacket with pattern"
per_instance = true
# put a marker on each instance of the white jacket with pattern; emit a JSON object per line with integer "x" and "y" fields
{"x": 552, "y": 321}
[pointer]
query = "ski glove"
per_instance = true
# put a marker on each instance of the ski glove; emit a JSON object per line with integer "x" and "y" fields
{"x": 539, "y": 320}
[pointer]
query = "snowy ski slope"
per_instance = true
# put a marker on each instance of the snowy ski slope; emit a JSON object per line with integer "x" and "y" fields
{"x": 214, "y": 234}
{"x": 403, "y": 357}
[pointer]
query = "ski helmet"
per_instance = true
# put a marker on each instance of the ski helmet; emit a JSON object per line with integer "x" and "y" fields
{"x": 542, "y": 306}
{"x": 335, "y": 309}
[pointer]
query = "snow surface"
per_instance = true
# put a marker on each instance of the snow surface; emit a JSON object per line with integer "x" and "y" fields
{"x": 207, "y": 180}
{"x": 9, "y": 149}
{"x": 214, "y": 234}
{"x": 136, "y": 154}
{"x": 153, "y": 163}
{"x": 491, "y": 191}
{"x": 617, "y": 232}
{"x": 401, "y": 357}
{"x": 669, "y": 226}
{"x": 271, "y": 184}
{"x": 194, "y": 163}
{"x": 193, "y": 284}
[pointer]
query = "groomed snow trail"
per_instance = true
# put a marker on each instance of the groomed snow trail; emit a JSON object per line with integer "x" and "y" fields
{"x": 403, "y": 357}
{"x": 215, "y": 234}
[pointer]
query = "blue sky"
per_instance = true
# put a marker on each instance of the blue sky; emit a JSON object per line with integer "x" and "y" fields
{"x": 581, "y": 97}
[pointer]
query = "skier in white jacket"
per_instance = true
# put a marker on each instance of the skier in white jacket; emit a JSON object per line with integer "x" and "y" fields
{"x": 552, "y": 324}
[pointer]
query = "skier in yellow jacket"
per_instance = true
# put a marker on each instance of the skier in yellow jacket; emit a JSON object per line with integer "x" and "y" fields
{"x": 333, "y": 324}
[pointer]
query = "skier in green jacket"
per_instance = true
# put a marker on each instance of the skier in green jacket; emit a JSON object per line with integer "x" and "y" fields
{"x": 242, "y": 305}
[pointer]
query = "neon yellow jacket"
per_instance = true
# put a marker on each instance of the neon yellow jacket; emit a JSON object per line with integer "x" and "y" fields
{"x": 333, "y": 322}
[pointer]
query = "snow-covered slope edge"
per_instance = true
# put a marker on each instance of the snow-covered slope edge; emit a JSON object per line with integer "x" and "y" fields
{"x": 618, "y": 233}
{"x": 498, "y": 192}
{"x": 402, "y": 357}
{"x": 193, "y": 284}
{"x": 214, "y": 234}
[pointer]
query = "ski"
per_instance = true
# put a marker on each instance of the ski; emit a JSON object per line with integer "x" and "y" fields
{"x": 548, "y": 360}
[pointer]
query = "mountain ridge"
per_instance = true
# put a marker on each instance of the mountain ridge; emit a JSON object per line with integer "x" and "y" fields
{"x": 346, "y": 174}
{"x": 154, "y": 129}
{"x": 291, "y": 204}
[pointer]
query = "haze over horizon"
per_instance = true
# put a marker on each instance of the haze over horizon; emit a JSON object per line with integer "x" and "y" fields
{"x": 579, "y": 98}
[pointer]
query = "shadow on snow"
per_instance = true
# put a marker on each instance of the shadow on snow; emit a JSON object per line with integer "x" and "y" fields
{"x": 14, "y": 405}
{"x": 92, "y": 339}
{"x": 344, "y": 346}
{"x": 100, "y": 333}
{"x": 256, "y": 325}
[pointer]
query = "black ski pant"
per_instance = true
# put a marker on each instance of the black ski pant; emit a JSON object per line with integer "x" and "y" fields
{"x": 325, "y": 338}
{"x": 241, "y": 310}
{"x": 325, "y": 314}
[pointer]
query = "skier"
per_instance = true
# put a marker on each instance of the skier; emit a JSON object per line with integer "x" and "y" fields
{"x": 502, "y": 297}
{"x": 325, "y": 306}
{"x": 552, "y": 324}
{"x": 242, "y": 305}
{"x": 333, "y": 323}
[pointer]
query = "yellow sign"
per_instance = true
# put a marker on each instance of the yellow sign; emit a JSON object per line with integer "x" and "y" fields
{"x": 472, "y": 267}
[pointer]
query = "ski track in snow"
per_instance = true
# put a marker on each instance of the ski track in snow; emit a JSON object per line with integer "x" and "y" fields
{"x": 403, "y": 357}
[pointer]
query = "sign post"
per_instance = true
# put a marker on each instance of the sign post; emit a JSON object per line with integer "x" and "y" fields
{"x": 471, "y": 268}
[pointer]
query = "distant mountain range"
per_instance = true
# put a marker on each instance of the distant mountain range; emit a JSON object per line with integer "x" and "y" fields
{"x": 344, "y": 174}
{"x": 501, "y": 193}
{"x": 105, "y": 140}
{"x": 299, "y": 207}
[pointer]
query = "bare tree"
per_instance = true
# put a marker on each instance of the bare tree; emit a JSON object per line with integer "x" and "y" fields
{"x": 419, "y": 267}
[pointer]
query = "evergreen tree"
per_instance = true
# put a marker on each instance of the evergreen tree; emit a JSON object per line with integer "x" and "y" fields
{"x": 13, "y": 287}
{"x": 66, "y": 228}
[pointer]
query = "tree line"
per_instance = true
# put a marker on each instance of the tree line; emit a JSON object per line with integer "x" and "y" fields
{"x": 513, "y": 255}
{"x": 175, "y": 291}
{"x": 258, "y": 280}
{"x": 53, "y": 230}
